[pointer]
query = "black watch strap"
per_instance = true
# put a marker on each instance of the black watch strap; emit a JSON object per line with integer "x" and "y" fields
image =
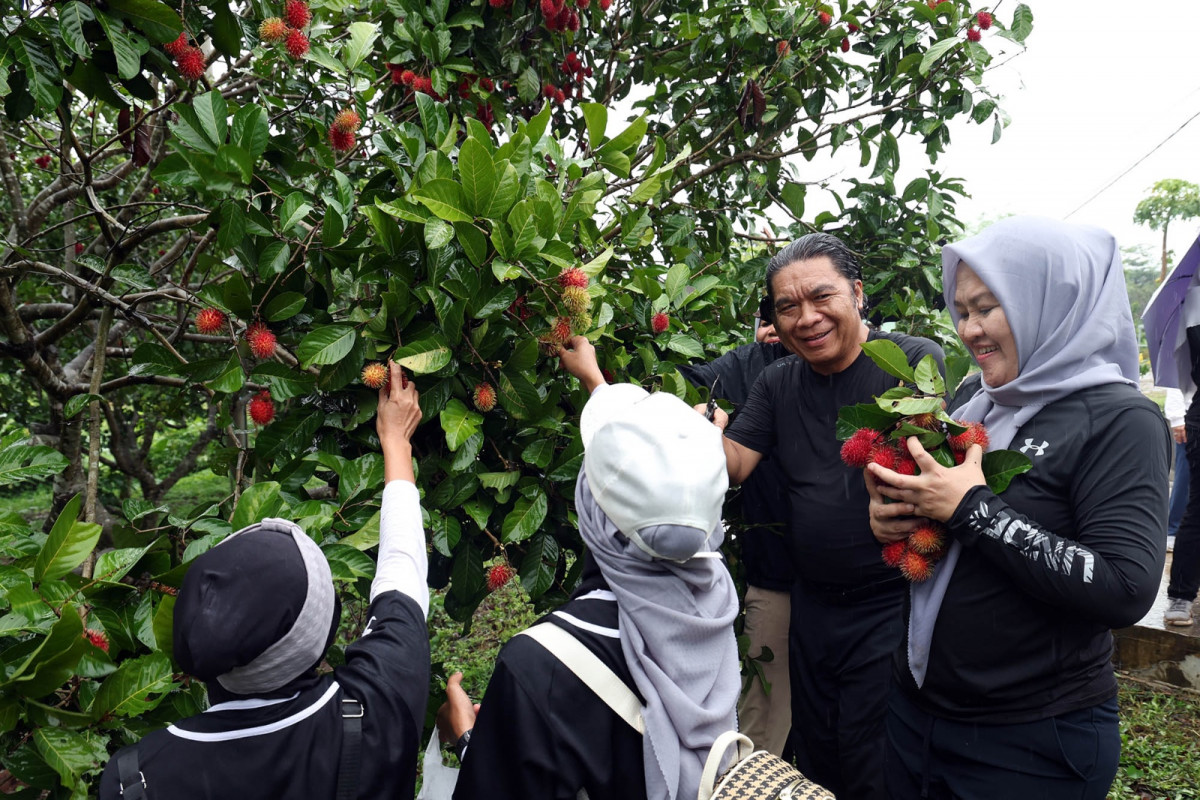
{"x": 460, "y": 747}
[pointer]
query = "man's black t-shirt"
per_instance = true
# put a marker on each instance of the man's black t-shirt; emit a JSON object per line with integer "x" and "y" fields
{"x": 256, "y": 749}
{"x": 1071, "y": 549}
{"x": 791, "y": 415}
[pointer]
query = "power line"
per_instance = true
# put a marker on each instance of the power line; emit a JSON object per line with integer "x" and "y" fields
{"x": 1109, "y": 185}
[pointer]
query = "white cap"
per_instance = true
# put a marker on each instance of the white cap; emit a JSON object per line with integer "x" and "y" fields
{"x": 652, "y": 460}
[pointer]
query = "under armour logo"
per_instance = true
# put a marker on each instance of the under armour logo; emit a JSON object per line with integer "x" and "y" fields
{"x": 1038, "y": 449}
{"x": 367, "y": 630}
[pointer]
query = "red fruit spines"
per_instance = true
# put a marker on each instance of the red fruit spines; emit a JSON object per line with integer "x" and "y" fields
{"x": 929, "y": 539}
{"x": 262, "y": 408}
{"x": 342, "y": 141}
{"x": 499, "y": 575}
{"x": 97, "y": 638}
{"x": 906, "y": 465}
{"x": 573, "y": 277}
{"x": 824, "y": 18}
{"x": 974, "y": 434}
{"x": 375, "y": 375}
{"x": 173, "y": 49}
{"x": 845, "y": 45}
{"x": 973, "y": 35}
{"x": 604, "y": 4}
{"x": 659, "y": 323}
{"x": 347, "y": 120}
{"x": 856, "y": 451}
{"x": 297, "y": 44}
{"x": 210, "y": 320}
{"x": 261, "y": 340}
{"x": 191, "y": 63}
{"x": 885, "y": 456}
{"x": 273, "y": 30}
{"x": 561, "y": 331}
{"x": 915, "y": 567}
{"x": 984, "y": 19}
{"x": 893, "y": 552}
{"x": 577, "y": 300}
{"x": 297, "y": 14}
{"x": 484, "y": 397}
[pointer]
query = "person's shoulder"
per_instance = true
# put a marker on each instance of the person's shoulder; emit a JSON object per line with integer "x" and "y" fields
{"x": 1108, "y": 400}
{"x": 913, "y": 346}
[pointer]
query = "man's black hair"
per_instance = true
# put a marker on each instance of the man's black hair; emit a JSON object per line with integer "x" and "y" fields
{"x": 766, "y": 311}
{"x": 810, "y": 246}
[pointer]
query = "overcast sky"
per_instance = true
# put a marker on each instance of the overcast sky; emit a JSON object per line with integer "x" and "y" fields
{"x": 1099, "y": 86}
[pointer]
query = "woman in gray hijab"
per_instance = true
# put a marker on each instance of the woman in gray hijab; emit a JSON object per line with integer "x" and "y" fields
{"x": 1005, "y": 686}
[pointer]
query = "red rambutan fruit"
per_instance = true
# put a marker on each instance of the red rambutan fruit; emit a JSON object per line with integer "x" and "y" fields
{"x": 974, "y": 434}
{"x": 210, "y": 320}
{"x": 561, "y": 331}
{"x": 583, "y": 3}
{"x": 375, "y": 375}
{"x": 560, "y": 96}
{"x": 423, "y": 84}
{"x": 550, "y": 8}
{"x": 487, "y": 84}
{"x": 915, "y": 566}
{"x": 499, "y": 575}
{"x": 191, "y": 63}
{"x": 928, "y": 539}
{"x": 893, "y": 552}
{"x": 297, "y": 44}
{"x": 78, "y": 248}
{"x": 824, "y": 18}
{"x": 497, "y": 3}
{"x": 856, "y": 451}
{"x": 845, "y": 44}
{"x": 297, "y": 14}
{"x": 261, "y": 340}
{"x": 347, "y": 120}
{"x": 885, "y": 456}
{"x": 783, "y": 48}
{"x": 906, "y": 465}
{"x": 659, "y": 322}
{"x": 604, "y": 4}
{"x": 853, "y": 28}
{"x": 174, "y": 48}
{"x": 573, "y": 276}
{"x": 484, "y": 397}
{"x": 973, "y": 35}
{"x": 577, "y": 300}
{"x": 262, "y": 408}
{"x": 273, "y": 30}
{"x": 97, "y": 638}
{"x": 342, "y": 141}
{"x": 572, "y": 20}
{"x": 984, "y": 19}
{"x": 548, "y": 91}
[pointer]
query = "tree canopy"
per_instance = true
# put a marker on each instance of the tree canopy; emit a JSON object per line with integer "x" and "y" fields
{"x": 1169, "y": 199}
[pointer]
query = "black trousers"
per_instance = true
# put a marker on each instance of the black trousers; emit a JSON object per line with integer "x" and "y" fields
{"x": 1185, "y": 560}
{"x": 1073, "y": 756}
{"x": 841, "y": 653}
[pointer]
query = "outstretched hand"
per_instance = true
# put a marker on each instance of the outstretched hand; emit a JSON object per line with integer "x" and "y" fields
{"x": 578, "y": 357}
{"x": 396, "y": 418}
{"x": 457, "y": 715}
{"x": 935, "y": 493}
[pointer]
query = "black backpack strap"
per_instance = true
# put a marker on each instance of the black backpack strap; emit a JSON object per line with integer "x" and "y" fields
{"x": 348, "y": 766}
{"x": 133, "y": 782}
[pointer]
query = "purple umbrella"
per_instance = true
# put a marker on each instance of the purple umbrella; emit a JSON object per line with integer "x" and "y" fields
{"x": 1161, "y": 321}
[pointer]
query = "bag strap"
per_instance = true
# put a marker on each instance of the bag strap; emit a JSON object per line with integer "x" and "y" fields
{"x": 594, "y": 673}
{"x": 351, "y": 759}
{"x": 720, "y": 748}
{"x": 133, "y": 782}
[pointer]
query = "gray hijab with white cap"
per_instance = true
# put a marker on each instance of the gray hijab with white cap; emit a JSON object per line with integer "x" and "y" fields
{"x": 1062, "y": 289}
{"x": 649, "y": 502}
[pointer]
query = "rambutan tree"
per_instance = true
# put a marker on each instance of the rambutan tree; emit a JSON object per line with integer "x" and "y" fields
{"x": 217, "y": 217}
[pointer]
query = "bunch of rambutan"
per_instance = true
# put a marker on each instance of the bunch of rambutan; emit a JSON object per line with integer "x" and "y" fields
{"x": 290, "y": 29}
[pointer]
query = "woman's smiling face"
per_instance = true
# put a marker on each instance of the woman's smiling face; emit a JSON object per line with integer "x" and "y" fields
{"x": 983, "y": 328}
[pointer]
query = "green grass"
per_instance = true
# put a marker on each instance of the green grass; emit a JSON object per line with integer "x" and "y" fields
{"x": 1160, "y": 731}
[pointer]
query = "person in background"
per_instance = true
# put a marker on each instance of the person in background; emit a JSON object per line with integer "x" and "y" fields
{"x": 1185, "y": 556}
{"x": 253, "y": 620}
{"x": 1005, "y": 685}
{"x": 846, "y": 603}
{"x": 1174, "y": 409}
{"x": 656, "y": 605}
{"x": 764, "y": 712}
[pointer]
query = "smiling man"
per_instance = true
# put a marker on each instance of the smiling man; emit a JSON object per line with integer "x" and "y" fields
{"x": 847, "y": 607}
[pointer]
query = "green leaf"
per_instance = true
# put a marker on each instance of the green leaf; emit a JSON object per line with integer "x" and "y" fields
{"x": 685, "y": 345}
{"x": 326, "y": 345}
{"x": 129, "y": 63}
{"x": 348, "y": 563}
{"x": 157, "y": 20}
{"x": 1001, "y": 466}
{"x": 438, "y": 234}
{"x": 525, "y": 518}
{"x": 445, "y": 199}
{"x": 226, "y": 30}
{"x": 928, "y": 378}
{"x": 362, "y": 38}
{"x": 128, "y": 691}
{"x": 538, "y": 453}
{"x": 45, "y": 80}
{"x": 423, "y": 357}
{"x": 1022, "y": 24}
{"x": 69, "y": 753}
{"x": 295, "y": 209}
{"x": 259, "y": 501}
{"x": 211, "y": 111}
{"x": 676, "y": 280}
{"x": 285, "y": 306}
{"x": 478, "y": 176}
{"x": 20, "y": 461}
{"x": 907, "y": 406}
{"x": 235, "y": 161}
{"x": 459, "y": 423}
{"x": 863, "y": 415}
{"x": 71, "y": 19}
{"x": 523, "y": 222}
{"x": 536, "y": 127}
{"x": 250, "y": 131}
{"x": 230, "y": 379}
{"x": 473, "y": 242}
{"x": 539, "y": 565}
{"x": 112, "y": 565}
{"x": 936, "y": 51}
{"x": 628, "y": 139}
{"x": 529, "y": 86}
{"x": 68, "y": 544}
{"x": 596, "y": 116}
{"x": 888, "y": 356}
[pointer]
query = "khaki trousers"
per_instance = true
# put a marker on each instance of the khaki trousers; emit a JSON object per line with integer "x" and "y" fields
{"x": 767, "y": 717}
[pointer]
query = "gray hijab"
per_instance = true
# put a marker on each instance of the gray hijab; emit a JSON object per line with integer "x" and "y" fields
{"x": 1062, "y": 289}
{"x": 676, "y": 627}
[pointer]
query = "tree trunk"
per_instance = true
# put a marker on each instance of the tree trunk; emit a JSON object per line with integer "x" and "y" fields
{"x": 1163, "y": 276}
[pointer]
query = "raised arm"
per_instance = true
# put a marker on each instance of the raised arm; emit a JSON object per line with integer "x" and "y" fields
{"x": 403, "y": 562}
{"x": 578, "y": 357}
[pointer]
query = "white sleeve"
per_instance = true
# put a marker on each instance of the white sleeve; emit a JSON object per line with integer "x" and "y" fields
{"x": 1174, "y": 408}
{"x": 403, "y": 561}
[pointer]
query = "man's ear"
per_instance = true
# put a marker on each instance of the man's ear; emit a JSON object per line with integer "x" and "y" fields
{"x": 858, "y": 295}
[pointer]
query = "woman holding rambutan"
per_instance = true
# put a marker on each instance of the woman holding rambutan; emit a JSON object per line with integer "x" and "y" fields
{"x": 1005, "y": 686}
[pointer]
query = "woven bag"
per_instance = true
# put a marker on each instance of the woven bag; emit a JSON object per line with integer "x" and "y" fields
{"x": 754, "y": 775}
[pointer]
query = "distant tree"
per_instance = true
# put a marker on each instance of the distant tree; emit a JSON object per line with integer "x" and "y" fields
{"x": 1140, "y": 280}
{"x": 1169, "y": 199}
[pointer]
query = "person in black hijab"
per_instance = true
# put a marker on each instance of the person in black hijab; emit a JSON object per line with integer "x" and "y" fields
{"x": 253, "y": 620}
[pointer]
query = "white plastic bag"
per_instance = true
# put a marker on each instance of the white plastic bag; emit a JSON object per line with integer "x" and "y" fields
{"x": 437, "y": 780}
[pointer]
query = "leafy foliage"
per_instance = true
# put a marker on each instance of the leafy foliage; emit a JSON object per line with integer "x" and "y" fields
{"x": 489, "y": 147}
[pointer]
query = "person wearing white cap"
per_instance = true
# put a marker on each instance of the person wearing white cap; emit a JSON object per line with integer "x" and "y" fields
{"x": 656, "y": 605}
{"x": 253, "y": 620}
